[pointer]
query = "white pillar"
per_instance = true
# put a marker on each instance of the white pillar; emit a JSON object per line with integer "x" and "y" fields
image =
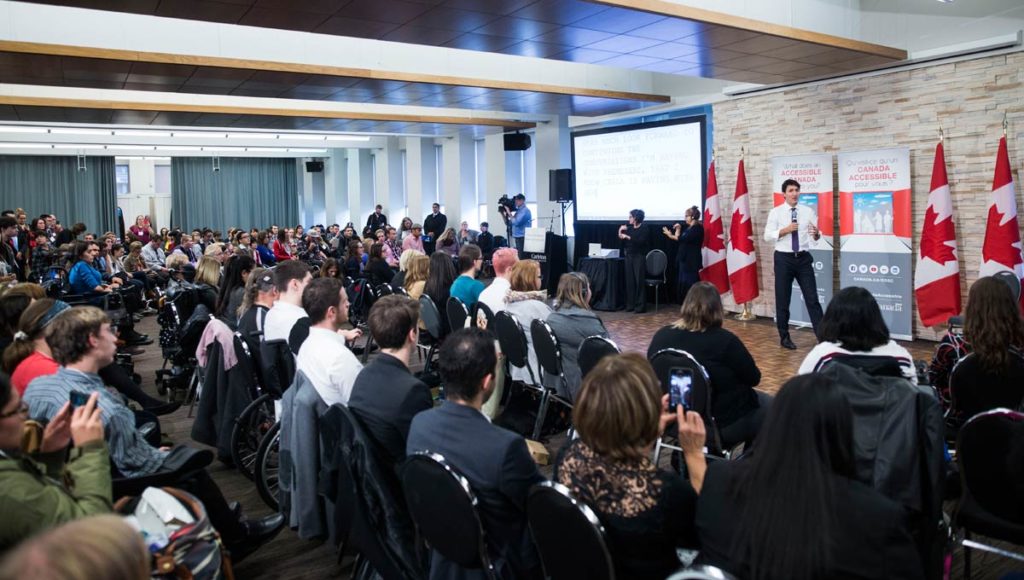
{"x": 421, "y": 176}
{"x": 389, "y": 180}
{"x": 494, "y": 160}
{"x": 336, "y": 188}
{"x": 551, "y": 145}
{"x": 459, "y": 195}
{"x": 360, "y": 186}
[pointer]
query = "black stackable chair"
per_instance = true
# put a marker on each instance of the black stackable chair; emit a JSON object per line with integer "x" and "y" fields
{"x": 435, "y": 328}
{"x": 549, "y": 356}
{"x": 457, "y": 313}
{"x": 444, "y": 508}
{"x": 481, "y": 310}
{"x": 592, "y": 350}
{"x": 975, "y": 390}
{"x": 989, "y": 452}
{"x": 513, "y": 344}
{"x": 656, "y": 264}
{"x": 568, "y": 534}
{"x": 663, "y": 362}
{"x": 277, "y": 366}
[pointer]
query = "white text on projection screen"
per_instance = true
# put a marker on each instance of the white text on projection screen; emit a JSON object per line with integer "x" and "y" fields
{"x": 657, "y": 170}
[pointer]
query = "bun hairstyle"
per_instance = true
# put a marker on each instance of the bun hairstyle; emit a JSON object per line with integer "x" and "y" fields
{"x": 694, "y": 211}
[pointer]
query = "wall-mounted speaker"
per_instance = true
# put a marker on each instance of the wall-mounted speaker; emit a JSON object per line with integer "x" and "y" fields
{"x": 314, "y": 166}
{"x": 517, "y": 142}
{"x": 560, "y": 185}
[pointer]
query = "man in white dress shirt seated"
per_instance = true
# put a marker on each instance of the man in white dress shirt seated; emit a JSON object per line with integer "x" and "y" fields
{"x": 494, "y": 294}
{"x": 323, "y": 358}
{"x": 290, "y": 278}
{"x": 791, "y": 227}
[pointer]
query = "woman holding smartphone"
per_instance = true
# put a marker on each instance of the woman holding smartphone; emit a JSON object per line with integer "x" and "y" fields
{"x": 738, "y": 409}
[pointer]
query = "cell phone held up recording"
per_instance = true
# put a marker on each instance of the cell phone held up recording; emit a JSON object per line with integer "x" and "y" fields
{"x": 79, "y": 399}
{"x": 680, "y": 381}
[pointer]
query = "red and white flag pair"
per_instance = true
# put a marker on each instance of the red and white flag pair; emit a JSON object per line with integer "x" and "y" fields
{"x": 733, "y": 264}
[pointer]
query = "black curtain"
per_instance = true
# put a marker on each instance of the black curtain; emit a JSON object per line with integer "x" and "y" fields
{"x": 50, "y": 184}
{"x": 607, "y": 234}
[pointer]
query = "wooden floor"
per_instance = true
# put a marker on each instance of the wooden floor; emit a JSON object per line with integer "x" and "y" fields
{"x": 289, "y": 557}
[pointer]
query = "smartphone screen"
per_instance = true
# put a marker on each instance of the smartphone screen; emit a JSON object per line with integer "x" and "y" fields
{"x": 680, "y": 381}
{"x": 78, "y": 399}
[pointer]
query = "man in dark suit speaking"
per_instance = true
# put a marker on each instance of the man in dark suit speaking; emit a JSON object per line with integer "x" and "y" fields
{"x": 494, "y": 460}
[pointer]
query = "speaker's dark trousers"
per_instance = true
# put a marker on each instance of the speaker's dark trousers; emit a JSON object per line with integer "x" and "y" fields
{"x": 519, "y": 241}
{"x": 797, "y": 266}
{"x": 636, "y": 292}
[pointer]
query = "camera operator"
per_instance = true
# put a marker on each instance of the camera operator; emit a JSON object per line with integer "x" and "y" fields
{"x": 518, "y": 219}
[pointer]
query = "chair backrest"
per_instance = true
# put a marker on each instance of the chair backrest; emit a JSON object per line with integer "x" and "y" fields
{"x": 878, "y": 366}
{"x": 481, "y": 310}
{"x": 545, "y": 345}
{"x": 657, "y": 262}
{"x": 456, "y": 312}
{"x": 703, "y": 572}
{"x": 592, "y": 350}
{"x": 399, "y": 290}
{"x": 667, "y": 359}
{"x": 989, "y": 451}
{"x": 569, "y": 537}
{"x": 444, "y": 508}
{"x": 245, "y": 356}
{"x": 384, "y": 289}
{"x": 278, "y": 366}
{"x": 975, "y": 389}
{"x": 431, "y": 317}
{"x": 512, "y": 339}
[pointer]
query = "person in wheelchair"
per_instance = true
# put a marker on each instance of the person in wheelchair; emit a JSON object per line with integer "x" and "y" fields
{"x": 853, "y": 325}
{"x": 82, "y": 342}
{"x": 86, "y": 280}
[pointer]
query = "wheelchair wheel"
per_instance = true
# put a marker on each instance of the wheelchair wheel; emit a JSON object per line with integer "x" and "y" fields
{"x": 247, "y": 432}
{"x": 267, "y": 466}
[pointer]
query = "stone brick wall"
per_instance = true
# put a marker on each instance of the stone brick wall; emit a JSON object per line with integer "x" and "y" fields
{"x": 900, "y": 109}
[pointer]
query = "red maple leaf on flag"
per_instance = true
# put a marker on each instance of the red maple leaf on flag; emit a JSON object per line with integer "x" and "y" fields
{"x": 740, "y": 242}
{"x": 933, "y": 239}
{"x": 999, "y": 240}
{"x": 713, "y": 234}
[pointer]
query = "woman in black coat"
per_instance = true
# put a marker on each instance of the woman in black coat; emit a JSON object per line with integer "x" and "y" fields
{"x": 690, "y": 237}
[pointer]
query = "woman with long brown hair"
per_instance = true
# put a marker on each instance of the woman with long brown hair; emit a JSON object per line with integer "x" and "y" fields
{"x": 993, "y": 328}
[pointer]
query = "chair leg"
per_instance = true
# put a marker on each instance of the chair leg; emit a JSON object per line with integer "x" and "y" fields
{"x": 657, "y": 452}
{"x": 541, "y": 412}
{"x": 967, "y": 556}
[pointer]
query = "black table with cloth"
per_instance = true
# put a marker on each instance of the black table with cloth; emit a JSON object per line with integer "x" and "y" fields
{"x": 607, "y": 282}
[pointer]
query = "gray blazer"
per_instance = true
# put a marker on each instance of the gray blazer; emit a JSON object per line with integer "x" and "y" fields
{"x": 571, "y": 326}
{"x": 300, "y": 459}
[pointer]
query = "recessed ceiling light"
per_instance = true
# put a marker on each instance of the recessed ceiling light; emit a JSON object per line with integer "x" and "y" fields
{"x": 77, "y": 146}
{"x": 266, "y": 150}
{"x": 238, "y": 149}
{"x": 347, "y": 138}
{"x": 252, "y": 136}
{"x": 76, "y": 131}
{"x": 25, "y": 145}
{"x": 142, "y": 133}
{"x": 13, "y": 129}
{"x": 301, "y": 136}
{"x": 290, "y": 150}
{"x": 199, "y": 135}
{"x": 177, "y": 148}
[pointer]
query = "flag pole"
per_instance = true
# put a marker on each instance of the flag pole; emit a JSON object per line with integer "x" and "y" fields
{"x": 746, "y": 314}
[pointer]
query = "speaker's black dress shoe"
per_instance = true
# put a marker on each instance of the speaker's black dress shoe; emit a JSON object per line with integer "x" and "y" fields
{"x": 787, "y": 343}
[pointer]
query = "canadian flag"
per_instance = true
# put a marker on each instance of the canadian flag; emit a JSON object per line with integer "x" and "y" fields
{"x": 713, "y": 249}
{"x": 937, "y": 277}
{"x": 1001, "y": 250}
{"x": 741, "y": 259}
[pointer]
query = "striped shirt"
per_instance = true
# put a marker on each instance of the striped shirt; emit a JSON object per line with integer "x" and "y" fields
{"x": 129, "y": 450}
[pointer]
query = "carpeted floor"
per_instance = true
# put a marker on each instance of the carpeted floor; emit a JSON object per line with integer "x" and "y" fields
{"x": 289, "y": 557}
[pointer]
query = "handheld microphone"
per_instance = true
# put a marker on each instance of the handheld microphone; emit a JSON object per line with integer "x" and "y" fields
{"x": 792, "y": 215}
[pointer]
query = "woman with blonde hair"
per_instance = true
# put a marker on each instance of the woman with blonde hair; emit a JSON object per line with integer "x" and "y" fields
{"x": 416, "y": 274}
{"x": 403, "y": 265}
{"x": 448, "y": 242}
{"x": 526, "y": 301}
{"x": 647, "y": 512}
{"x": 207, "y": 280}
{"x": 738, "y": 408}
{"x": 573, "y": 321}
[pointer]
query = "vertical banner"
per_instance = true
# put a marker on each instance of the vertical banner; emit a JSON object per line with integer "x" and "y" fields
{"x": 814, "y": 173}
{"x": 875, "y": 231}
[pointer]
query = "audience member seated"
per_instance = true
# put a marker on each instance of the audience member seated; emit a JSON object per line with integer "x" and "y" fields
{"x": 281, "y": 248}
{"x": 738, "y": 409}
{"x": 792, "y": 508}
{"x": 496, "y": 461}
{"x": 354, "y": 259}
{"x": 495, "y": 293}
{"x": 386, "y": 395}
{"x": 50, "y": 487}
{"x": 377, "y": 270}
{"x": 290, "y": 278}
{"x": 84, "y": 278}
{"x": 466, "y": 235}
{"x": 448, "y": 243}
{"x": 647, "y": 512}
{"x": 526, "y": 301}
{"x": 264, "y": 256}
{"x": 323, "y": 357}
{"x": 416, "y": 275}
{"x": 330, "y": 269}
{"x": 232, "y": 288}
{"x": 853, "y": 325}
{"x": 439, "y": 281}
{"x": 102, "y": 546}
{"x": 260, "y": 294}
{"x": 414, "y": 240}
{"x": 573, "y": 321}
{"x": 81, "y": 341}
{"x": 12, "y": 304}
{"x": 206, "y": 281}
{"x": 485, "y": 240}
{"x": 466, "y": 287}
{"x": 992, "y": 327}
{"x": 392, "y": 247}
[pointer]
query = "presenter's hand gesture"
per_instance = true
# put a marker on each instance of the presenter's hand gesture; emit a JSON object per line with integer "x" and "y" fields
{"x": 790, "y": 229}
{"x": 666, "y": 231}
{"x": 813, "y": 231}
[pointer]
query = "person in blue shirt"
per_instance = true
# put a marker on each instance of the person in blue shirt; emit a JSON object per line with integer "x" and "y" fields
{"x": 85, "y": 279}
{"x": 466, "y": 287}
{"x": 521, "y": 220}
